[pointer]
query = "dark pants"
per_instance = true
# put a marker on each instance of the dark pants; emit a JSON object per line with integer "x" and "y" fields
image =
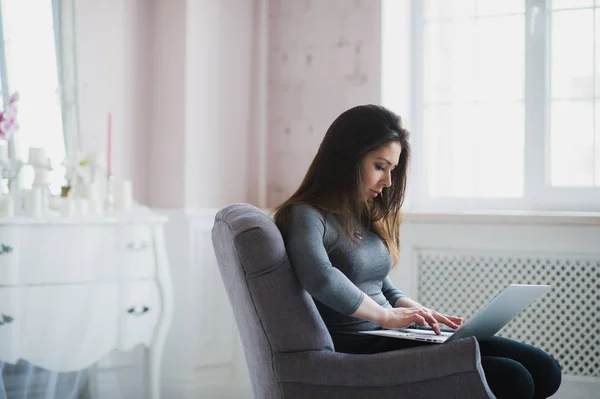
{"x": 512, "y": 369}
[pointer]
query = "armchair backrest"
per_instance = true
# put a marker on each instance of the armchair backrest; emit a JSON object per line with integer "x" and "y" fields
{"x": 272, "y": 311}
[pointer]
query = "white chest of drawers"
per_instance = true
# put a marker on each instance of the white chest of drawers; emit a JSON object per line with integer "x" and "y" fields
{"x": 72, "y": 290}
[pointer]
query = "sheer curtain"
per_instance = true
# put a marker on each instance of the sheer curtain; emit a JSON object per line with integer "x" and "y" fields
{"x": 119, "y": 375}
{"x": 26, "y": 381}
{"x": 33, "y": 34}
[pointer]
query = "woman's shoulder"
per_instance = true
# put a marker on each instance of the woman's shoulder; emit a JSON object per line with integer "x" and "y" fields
{"x": 304, "y": 210}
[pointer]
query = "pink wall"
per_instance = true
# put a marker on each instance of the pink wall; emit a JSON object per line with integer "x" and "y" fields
{"x": 325, "y": 58}
{"x": 112, "y": 40}
{"x": 197, "y": 122}
{"x": 218, "y": 101}
{"x": 166, "y": 61}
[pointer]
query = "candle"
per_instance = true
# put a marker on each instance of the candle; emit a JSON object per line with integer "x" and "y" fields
{"x": 124, "y": 196}
{"x": 33, "y": 202}
{"x": 109, "y": 150}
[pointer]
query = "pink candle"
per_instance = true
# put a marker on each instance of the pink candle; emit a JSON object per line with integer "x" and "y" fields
{"x": 109, "y": 150}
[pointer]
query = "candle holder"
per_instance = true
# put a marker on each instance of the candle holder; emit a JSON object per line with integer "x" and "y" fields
{"x": 109, "y": 204}
{"x": 42, "y": 167}
{"x": 41, "y": 170}
{"x": 34, "y": 204}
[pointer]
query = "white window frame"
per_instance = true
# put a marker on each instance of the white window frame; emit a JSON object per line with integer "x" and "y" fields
{"x": 64, "y": 34}
{"x": 65, "y": 12}
{"x": 538, "y": 195}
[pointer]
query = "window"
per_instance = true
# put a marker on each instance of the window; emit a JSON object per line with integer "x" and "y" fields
{"x": 504, "y": 104}
{"x": 29, "y": 64}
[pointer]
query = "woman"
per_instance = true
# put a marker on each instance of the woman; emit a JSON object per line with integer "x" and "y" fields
{"x": 341, "y": 229}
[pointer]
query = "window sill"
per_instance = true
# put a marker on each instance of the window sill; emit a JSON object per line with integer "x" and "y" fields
{"x": 506, "y": 217}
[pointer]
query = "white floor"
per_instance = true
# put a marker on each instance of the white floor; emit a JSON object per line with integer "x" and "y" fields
{"x": 231, "y": 391}
{"x": 572, "y": 388}
{"x": 578, "y": 388}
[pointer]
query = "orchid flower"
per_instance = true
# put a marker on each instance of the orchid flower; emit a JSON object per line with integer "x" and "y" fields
{"x": 8, "y": 118}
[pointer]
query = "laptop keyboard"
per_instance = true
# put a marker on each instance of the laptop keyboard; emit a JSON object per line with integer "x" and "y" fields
{"x": 417, "y": 335}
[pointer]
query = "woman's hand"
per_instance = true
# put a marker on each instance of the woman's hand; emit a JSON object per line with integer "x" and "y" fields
{"x": 450, "y": 321}
{"x": 422, "y": 316}
{"x": 404, "y": 317}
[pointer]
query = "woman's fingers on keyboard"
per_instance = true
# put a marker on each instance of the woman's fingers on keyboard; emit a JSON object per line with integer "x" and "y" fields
{"x": 428, "y": 316}
{"x": 445, "y": 320}
{"x": 419, "y": 320}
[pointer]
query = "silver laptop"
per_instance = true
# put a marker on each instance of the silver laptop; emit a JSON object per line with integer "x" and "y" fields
{"x": 485, "y": 324}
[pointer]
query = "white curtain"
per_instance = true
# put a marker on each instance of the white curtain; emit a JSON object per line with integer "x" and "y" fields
{"x": 23, "y": 379}
{"x": 26, "y": 381}
{"x": 119, "y": 375}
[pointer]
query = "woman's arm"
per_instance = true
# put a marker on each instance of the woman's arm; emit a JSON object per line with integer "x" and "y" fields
{"x": 327, "y": 284}
{"x": 406, "y": 302}
{"x": 308, "y": 256}
{"x": 391, "y": 293}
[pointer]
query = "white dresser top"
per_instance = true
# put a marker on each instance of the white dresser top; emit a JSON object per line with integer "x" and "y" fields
{"x": 138, "y": 214}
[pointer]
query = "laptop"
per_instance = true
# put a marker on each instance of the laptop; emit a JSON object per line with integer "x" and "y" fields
{"x": 485, "y": 324}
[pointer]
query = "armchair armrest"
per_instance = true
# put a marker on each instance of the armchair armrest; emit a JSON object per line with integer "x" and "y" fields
{"x": 460, "y": 358}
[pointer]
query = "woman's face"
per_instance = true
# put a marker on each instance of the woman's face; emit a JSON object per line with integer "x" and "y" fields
{"x": 376, "y": 168}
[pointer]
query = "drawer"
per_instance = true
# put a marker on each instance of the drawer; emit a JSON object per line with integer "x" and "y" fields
{"x": 10, "y": 324}
{"x": 135, "y": 251}
{"x": 122, "y": 359}
{"x": 10, "y": 239}
{"x": 68, "y": 327}
{"x": 139, "y": 312}
{"x": 48, "y": 254}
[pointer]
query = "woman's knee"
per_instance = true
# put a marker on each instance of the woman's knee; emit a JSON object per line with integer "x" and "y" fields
{"x": 507, "y": 378}
{"x": 544, "y": 369}
{"x": 548, "y": 376}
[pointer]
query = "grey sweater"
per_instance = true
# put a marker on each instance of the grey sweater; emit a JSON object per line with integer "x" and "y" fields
{"x": 338, "y": 275}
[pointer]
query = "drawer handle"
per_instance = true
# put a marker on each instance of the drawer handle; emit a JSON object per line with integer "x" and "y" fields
{"x": 133, "y": 246}
{"x": 138, "y": 312}
{"x": 5, "y": 249}
{"x": 6, "y": 319}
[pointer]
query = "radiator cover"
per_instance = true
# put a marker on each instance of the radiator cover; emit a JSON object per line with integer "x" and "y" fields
{"x": 564, "y": 322}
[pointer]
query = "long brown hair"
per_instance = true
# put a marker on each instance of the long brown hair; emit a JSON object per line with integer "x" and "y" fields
{"x": 333, "y": 181}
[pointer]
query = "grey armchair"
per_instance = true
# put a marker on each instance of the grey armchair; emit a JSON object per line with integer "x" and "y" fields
{"x": 288, "y": 349}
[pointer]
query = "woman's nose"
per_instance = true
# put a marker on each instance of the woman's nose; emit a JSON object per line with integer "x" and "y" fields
{"x": 387, "y": 179}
